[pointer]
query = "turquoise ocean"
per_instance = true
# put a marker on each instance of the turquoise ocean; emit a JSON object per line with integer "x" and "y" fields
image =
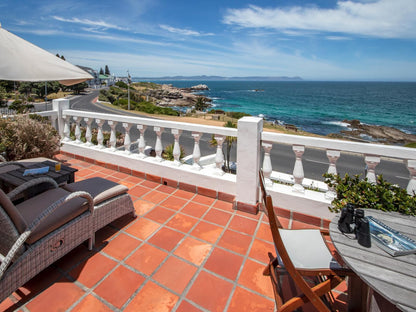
{"x": 317, "y": 107}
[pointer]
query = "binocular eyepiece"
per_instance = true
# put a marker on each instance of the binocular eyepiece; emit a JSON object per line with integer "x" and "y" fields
{"x": 353, "y": 221}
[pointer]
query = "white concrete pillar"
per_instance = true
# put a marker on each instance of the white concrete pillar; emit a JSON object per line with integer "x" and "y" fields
{"x": 298, "y": 173}
{"x": 248, "y": 159}
{"x": 411, "y": 166}
{"x": 158, "y": 145}
{"x": 66, "y": 129}
{"x": 59, "y": 105}
{"x": 196, "y": 154}
{"x": 142, "y": 143}
{"x": 371, "y": 162}
{"x": 267, "y": 163}
{"x": 113, "y": 137}
{"x": 176, "y": 147}
{"x": 88, "y": 132}
{"x": 219, "y": 156}
{"x": 77, "y": 129}
{"x": 333, "y": 156}
{"x": 100, "y": 136}
{"x": 127, "y": 140}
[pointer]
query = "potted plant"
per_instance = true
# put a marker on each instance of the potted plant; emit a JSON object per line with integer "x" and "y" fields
{"x": 362, "y": 193}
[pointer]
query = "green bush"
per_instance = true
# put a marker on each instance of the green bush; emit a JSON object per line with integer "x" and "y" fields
{"x": 23, "y": 137}
{"x": 236, "y": 115}
{"x": 168, "y": 153}
{"x": 121, "y": 84}
{"x": 381, "y": 195}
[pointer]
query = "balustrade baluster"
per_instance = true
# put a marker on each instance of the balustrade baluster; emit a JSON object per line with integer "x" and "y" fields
{"x": 100, "y": 136}
{"x": 77, "y": 129}
{"x": 333, "y": 156}
{"x": 267, "y": 163}
{"x": 411, "y": 166}
{"x": 142, "y": 143}
{"x": 88, "y": 133}
{"x": 176, "y": 147}
{"x": 158, "y": 145}
{"x": 219, "y": 156}
{"x": 67, "y": 130}
{"x": 113, "y": 138}
{"x": 371, "y": 164}
{"x": 127, "y": 140}
{"x": 196, "y": 154}
{"x": 298, "y": 173}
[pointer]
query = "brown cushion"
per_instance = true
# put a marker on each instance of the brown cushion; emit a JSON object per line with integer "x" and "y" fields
{"x": 99, "y": 188}
{"x": 14, "y": 214}
{"x": 31, "y": 208}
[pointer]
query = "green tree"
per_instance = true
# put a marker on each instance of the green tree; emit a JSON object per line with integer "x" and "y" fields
{"x": 3, "y": 95}
{"x": 26, "y": 88}
{"x": 107, "y": 71}
{"x": 201, "y": 104}
{"x": 79, "y": 87}
{"x": 101, "y": 71}
{"x": 63, "y": 57}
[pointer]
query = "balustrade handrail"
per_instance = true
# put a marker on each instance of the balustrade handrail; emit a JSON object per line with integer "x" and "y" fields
{"x": 342, "y": 145}
{"x": 154, "y": 122}
{"x": 47, "y": 113}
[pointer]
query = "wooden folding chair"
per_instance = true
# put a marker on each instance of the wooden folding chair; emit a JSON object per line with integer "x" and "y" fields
{"x": 304, "y": 256}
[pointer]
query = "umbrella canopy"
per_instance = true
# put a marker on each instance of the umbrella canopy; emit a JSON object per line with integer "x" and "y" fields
{"x": 21, "y": 60}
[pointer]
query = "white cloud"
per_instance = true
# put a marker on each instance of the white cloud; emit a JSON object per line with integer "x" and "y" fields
{"x": 380, "y": 18}
{"x": 97, "y": 24}
{"x": 185, "y": 32}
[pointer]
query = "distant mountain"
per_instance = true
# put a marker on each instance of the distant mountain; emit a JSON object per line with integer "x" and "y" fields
{"x": 220, "y": 78}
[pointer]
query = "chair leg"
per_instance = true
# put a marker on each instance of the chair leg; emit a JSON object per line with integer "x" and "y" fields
{"x": 91, "y": 242}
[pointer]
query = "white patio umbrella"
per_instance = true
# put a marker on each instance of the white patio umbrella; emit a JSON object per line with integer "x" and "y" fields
{"x": 21, "y": 60}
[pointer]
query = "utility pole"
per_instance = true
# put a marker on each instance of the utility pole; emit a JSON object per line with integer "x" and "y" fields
{"x": 128, "y": 89}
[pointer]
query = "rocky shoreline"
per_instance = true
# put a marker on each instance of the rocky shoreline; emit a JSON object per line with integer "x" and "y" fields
{"x": 374, "y": 133}
{"x": 168, "y": 95}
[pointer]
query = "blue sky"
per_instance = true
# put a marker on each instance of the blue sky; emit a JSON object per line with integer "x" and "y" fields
{"x": 313, "y": 39}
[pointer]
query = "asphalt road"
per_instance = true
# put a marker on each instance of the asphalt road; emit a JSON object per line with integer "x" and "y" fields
{"x": 315, "y": 162}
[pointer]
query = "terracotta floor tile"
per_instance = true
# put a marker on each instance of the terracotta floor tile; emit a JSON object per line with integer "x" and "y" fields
{"x": 123, "y": 222}
{"x": 182, "y": 222}
{"x": 119, "y": 286}
{"x": 72, "y": 258}
{"x": 150, "y": 184}
{"x": 166, "y": 238}
{"x": 175, "y": 274}
{"x": 142, "y": 228}
{"x": 223, "y": 205}
{"x": 155, "y": 197}
{"x": 184, "y": 194}
{"x": 114, "y": 179}
{"x": 90, "y": 303}
{"x": 224, "y": 263}
{"x": 127, "y": 184}
{"x": 193, "y": 250}
{"x": 264, "y": 232}
{"x": 203, "y": 199}
{"x": 252, "y": 277}
{"x": 84, "y": 173}
{"x": 61, "y": 295}
{"x": 185, "y": 306}
{"x": 236, "y": 242}
{"x": 7, "y": 304}
{"x": 218, "y": 217}
{"x": 173, "y": 202}
{"x": 260, "y": 249}
{"x": 244, "y": 300}
{"x": 242, "y": 224}
{"x": 210, "y": 292}
{"x": 146, "y": 259}
{"x": 142, "y": 207}
{"x": 91, "y": 271}
{"x": 152, "y": 298}
{"x": 195, "y": 209}
{"x": 121, "y": 246}
{"x": 206, "y": 231}
{"x": 120, "y": 175}
{"x": 139, "y": 191}
{"x": 134, "y": 180}
{"x": 166, "y": 189}
{"x": 159, "y": 214}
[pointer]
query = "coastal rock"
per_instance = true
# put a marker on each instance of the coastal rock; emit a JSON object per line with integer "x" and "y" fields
{"x": 199, "y": 87}
{"x": 382, "y": 134}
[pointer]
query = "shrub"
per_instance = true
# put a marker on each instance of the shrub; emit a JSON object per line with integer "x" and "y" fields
{"x": 236, "y": 115}
{"x": 364, "y": 194}
{"x": 121, "y": 84}
{"x": 168, "y": 153}
{"x": 23, "y": 137}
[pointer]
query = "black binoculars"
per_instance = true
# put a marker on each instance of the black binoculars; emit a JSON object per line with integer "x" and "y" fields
{"x": 353, "y": 221}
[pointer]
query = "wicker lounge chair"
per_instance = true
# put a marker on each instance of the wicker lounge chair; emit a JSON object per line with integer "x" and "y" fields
{"x": 39, "y": 231}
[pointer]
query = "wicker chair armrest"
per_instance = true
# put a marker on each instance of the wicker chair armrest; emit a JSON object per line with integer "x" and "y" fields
{"x": 5, "y": 261}
{"x": 11, "y": 163}
{"x": 21, "y": 188}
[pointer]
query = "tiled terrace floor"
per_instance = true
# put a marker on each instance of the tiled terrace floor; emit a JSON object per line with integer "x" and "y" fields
{"x": 184, "y": 252}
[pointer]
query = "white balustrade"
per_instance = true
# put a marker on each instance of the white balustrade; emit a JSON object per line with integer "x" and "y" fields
{"x": 333, "y": 156}
{"x": 196, "y": 154}
{"x": 67, "y": 130}
{"x": 176, "y": 147}
{"x": 88, "y": 132}
{"x": 142, "y": 143}
{"x": 127, "y": 140}
{"x": 100, "y": 136}
{"x": 298, "y": 174}
{"x": 113, "y": 137}
{"x": 411, "y": 187}
{"x": 219, "y": 156}
{"x": 371, "y": 164}
{"x": 158, "y": 145}
{"x": 77, "y": 129}
{"x": 267, "y": 163}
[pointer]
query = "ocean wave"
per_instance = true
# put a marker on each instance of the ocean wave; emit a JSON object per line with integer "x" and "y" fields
{"x": 337, "y": 123}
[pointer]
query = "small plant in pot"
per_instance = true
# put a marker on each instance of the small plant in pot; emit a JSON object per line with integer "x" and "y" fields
{"x": 362, "y": 193}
